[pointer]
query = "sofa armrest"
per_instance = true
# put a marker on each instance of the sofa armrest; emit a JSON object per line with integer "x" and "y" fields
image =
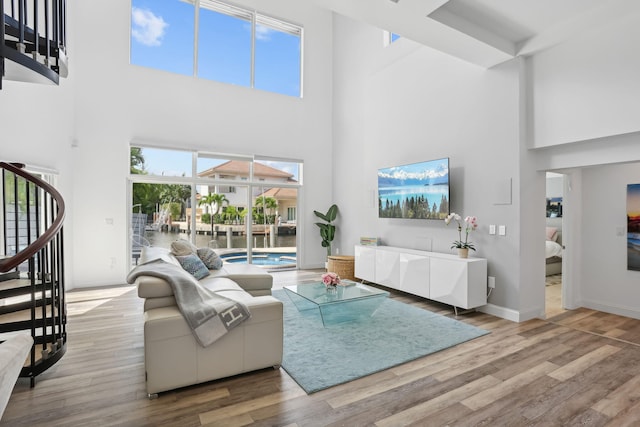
{"x": 153, "y": 287}
{"x": 264, "y": 308}
{"x": 255, "y": 284}
{"x": 14, "y": 350}
{"x": 167, "y": 322}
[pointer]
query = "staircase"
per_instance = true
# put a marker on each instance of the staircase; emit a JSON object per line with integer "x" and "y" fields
{"x": 33, "y": 40}
{"x": 32, "y": 292}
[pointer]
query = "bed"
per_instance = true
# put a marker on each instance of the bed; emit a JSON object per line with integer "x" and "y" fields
{"x": 553, "y": 251}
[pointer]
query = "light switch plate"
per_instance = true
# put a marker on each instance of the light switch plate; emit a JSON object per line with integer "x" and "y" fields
{"x": 502, "y": 230}
{"x": 492, "y": 229}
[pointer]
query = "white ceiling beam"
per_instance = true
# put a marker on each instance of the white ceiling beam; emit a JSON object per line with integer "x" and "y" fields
{"x": 409, "y": 18}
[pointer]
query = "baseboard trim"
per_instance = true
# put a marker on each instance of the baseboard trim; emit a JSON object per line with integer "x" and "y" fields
{"x": 502, "y": 312}
{"x": 613, "y": 309}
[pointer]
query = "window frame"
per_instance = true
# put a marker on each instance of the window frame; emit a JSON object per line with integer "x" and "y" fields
{"x": 195, "y": 181}
{"x": 249, "y": 15}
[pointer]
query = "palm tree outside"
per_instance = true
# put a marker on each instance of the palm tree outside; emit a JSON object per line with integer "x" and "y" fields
{"x": 268, "y": 204}
{"x": 215, "y": 201}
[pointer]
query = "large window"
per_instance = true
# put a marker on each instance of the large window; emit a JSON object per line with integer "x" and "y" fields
{"x": 224, "y": 45}
{"x": 243, "y": 206}
{"x": 388, "y": 37}
{"x": 216, "y": 41}
{"x": 162, "y": 35}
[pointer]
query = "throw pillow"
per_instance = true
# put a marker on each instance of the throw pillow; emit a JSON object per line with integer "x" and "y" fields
{"x": 210, "y": 258}
{"x": 193, "y": 265}
{"x": 183, "y": 247}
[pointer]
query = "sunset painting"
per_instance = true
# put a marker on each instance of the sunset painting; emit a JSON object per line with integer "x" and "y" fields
{"x": 633, "y": 227}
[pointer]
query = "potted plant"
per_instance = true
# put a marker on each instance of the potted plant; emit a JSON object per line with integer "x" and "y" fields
{"x": 470, "y": 224}
{"x": 327, "y": 229}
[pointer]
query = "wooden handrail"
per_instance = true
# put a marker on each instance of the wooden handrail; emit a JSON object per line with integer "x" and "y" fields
{"x": 10, "y": 263}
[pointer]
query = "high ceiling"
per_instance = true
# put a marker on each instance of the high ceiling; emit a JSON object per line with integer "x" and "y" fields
{"x": 485, "y": 32}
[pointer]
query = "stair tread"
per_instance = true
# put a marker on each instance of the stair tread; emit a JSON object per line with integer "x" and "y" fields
{"x": 23, "y": 315}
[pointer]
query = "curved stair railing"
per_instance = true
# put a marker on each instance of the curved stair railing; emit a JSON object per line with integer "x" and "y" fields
{"x": 32, "y": 291}
{"x": 33, "y": 40}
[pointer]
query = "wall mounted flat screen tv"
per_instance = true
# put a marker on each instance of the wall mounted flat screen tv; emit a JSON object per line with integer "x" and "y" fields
{"x": 416, "y": 191}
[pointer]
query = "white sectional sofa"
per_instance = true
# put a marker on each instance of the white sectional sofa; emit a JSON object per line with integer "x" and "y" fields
{"x": 173, "y": 357}
{"x": 14, "y": 349}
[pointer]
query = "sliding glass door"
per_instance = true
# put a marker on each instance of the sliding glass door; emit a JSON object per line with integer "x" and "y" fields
{"x": 242, "y": 207}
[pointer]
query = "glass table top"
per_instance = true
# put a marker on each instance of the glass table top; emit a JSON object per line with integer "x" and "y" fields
{"x": 318, "y": 294}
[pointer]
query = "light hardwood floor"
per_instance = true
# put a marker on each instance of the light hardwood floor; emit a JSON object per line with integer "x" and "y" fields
{"x": 581, "y": 367}
{"x": 553, "y": 296}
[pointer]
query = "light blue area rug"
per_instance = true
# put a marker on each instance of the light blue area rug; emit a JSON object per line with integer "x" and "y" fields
{"x": 318, "y": 357}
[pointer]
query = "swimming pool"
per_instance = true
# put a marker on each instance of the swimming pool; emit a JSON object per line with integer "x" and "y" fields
{"x": 269, "y": 259}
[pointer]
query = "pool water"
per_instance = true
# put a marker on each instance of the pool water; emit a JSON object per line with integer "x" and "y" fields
{"x": 266, "y": 258}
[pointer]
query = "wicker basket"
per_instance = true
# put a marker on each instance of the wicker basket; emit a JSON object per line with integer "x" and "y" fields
{"x": 342, "y": 265}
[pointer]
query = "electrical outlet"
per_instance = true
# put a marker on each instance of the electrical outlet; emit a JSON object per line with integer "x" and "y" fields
{"x": 491, "y": 282}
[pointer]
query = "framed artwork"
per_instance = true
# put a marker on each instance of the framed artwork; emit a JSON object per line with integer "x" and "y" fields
{"x": 633, "y": 227}
{"x": 554, "y": 207}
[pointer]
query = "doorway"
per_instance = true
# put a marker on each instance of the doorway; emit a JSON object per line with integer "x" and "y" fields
{"x": 555, "y": 219}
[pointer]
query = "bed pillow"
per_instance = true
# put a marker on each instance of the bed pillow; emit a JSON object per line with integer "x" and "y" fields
{"x": 553, "y": 249}
{"x": 552, "y": 234}
{"x": 210, "y": 258}
{"x": 183, "y": 247}
{"x": 193, "y": 265}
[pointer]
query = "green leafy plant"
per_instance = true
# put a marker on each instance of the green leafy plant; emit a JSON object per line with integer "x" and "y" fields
{"x": 327, "y": 229}
{"x": 216, "y": 201}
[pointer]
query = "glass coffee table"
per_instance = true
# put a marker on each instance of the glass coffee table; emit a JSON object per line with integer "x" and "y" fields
{"x": 346, "y": 304}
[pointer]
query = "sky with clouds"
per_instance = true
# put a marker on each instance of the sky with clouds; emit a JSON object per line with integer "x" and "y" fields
{"x": 162, "y": 37}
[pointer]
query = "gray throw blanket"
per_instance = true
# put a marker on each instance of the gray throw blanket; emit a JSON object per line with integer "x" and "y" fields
{"x": 209, "y": 315}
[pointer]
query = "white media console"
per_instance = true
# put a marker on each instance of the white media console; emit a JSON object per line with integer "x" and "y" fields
{"x": 460, "y": 282}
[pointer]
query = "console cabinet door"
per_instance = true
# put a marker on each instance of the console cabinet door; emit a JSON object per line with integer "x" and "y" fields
{"x": 388, "y": 268}
{"x": 449, "y": 282}
{"x": 414, "y": 274}
{"x": 365, "y": 263}
{"x": 459, "y": 282}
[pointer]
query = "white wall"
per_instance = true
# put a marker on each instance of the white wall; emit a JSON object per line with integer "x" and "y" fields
{"x": 117, "y": 102}
{"x": 408, "y": 103}
{"x": 606, "y": 283}
{"x": 588, "y": 87}
{"x": 388, "y": 106}
{"x": 37, "y": 128}
{"x": 584, "y": 97}
{"x": 554, "y": 185}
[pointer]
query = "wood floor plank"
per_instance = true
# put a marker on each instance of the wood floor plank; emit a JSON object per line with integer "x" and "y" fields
{"x": 416, "y": 413}
{"x": 628, "y": 418}
{"x": 578, "y": 368}
{"x": 503, "y": 388}
{"x": 567, "y": 371}
{"x": 620, "y": 399}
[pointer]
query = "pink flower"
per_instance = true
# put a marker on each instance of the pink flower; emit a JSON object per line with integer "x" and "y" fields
{"x": 330, "y": 279}
{"x": 470, "y": 224}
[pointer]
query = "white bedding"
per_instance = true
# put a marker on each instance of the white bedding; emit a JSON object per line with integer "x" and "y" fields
{"x": 553, "y": 249}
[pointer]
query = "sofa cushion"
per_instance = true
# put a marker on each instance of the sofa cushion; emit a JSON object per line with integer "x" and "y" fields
{"x": 183, "y": 247}
{"x": 150, "y": 253}
{"x": 193, "y": 265}
{"x": 217, "y": 284}
{"x": 236, "y": 295}
{"x": 210, "y": 258}
{"x": 154, "y": 287}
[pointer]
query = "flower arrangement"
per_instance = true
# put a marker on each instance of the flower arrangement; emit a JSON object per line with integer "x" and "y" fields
{"x": 470, "y": 224}
{"x": 330, "y": 279}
